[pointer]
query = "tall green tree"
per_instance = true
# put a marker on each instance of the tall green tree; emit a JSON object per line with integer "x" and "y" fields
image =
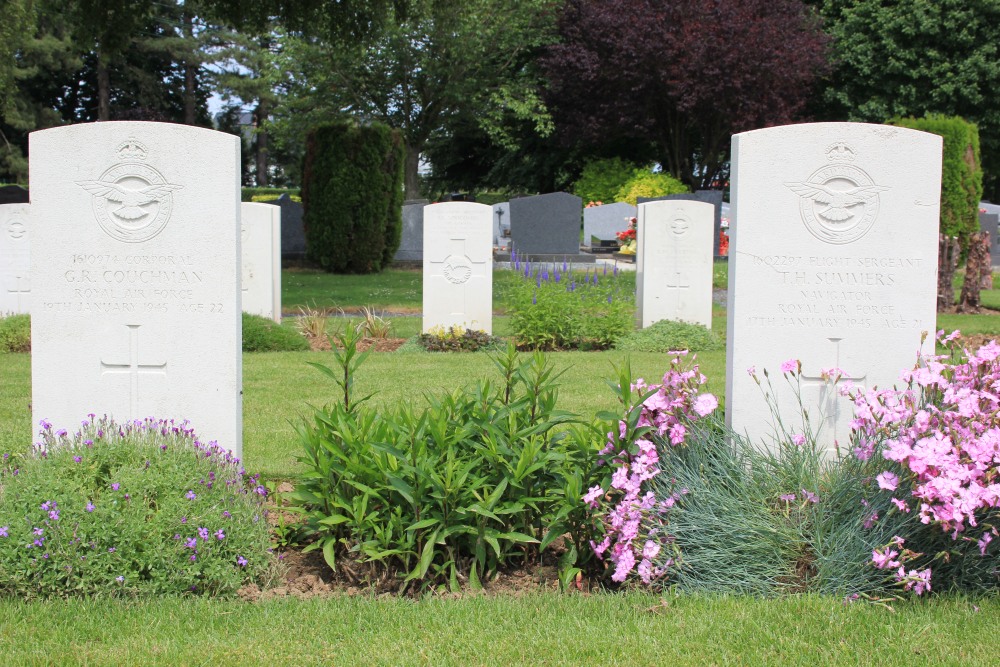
{"x": 897, "y": 58}
{"x": 17, "y": 18}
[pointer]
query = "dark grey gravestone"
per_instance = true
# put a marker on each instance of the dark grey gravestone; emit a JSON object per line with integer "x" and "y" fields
{"x": 13, "y": 194}
{"x": 713, "y": 197}
{"x": 546, "y": 224}
{"x": 411, "y": 246}
{"x": 989, "y": 222}
{"x": 293, "y": 232}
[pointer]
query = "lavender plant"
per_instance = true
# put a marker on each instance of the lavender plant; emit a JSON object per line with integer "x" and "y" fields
{"x": 125, "y": 510}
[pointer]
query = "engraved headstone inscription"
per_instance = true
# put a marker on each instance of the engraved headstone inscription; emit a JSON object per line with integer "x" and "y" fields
{"x": 833, "y": 262}
{"x": 458, "y": 266}
{"x": 546, "y": 224}
{"x": 604, "y": 222}
{"x": 260, "y": 233}
{"x": 674, "y": 262}
{"x": 713, "y": 197}
{"x": 135, "y": 276}
{"x": 15, "y": 256}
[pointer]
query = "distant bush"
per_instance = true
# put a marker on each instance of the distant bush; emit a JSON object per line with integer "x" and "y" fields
{"x": 263, "y": 335}
{"x": 602, "y": 180}
{"x": 127, "y": 510}
{"x": 263, "y": 199}
{"x": 15, "y": 333}
{"x": 645, "y": 183}
{"x": 352, "y": 193}
{"x": 668, "y": 336}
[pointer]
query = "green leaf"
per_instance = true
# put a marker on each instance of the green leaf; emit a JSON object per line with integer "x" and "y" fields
{"x": 328, "y": 553}
{"x": 334, "y": 519}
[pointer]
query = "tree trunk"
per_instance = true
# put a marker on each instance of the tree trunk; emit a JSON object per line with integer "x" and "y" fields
{"x": 260, "y": 144}
{"x": 977, "y": 265}
{"x": 190, "y": 83}
{"x": 103, "y": 86}
{"x": 411, "y": 173}
{"x": 948, "y": 251}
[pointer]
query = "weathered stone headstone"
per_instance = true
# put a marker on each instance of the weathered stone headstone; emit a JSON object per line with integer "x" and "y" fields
{"x": 15, "y": 259}
{"x": 135, "y": 276}
{"x": 458, "y": 266}
{"x": 832, "y": 263}
{"x": 293, "y": 233}
{"x": 501, "y": 225}
{"x": 546, "y": 224}
{"x": 411, "y": 246}
{"x": 990, "y": 222}
{"x": 606, "y": 221}
{"x": 260, "y": 229}
{"x": 713, "y": 197}
{"x": 13, "y": 194}
{"x": 674, "y": 262}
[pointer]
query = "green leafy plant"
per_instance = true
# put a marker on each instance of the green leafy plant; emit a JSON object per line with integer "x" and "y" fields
{"x": 15, "y": 333}
{"x": 477, "y": 480}
{"x": 312, "y": 323}
{"x": 667, "y": 335}
{"x": 373, "y": 325}
{"x": 602, "y": 180}
{"x": 261, "y": 334}
{"x": 647, "y": 183}
{"x": 123, "y": 510}
{"x": 457, "y": 339}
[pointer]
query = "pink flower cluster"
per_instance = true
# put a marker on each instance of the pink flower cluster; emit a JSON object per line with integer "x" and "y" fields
{"x": 943, "y": 430}
{"x": 665, "y": 414}
{"x": 889, "y": 558}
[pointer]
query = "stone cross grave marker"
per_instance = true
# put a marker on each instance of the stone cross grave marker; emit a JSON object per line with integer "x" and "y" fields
{"x": 15, "y": 256}
{"x": 458, "y": 266}
{"x": 606, "y": 221}
{"x": 674, "y": 262}
{"x": 833, "y": 262}
{"x": 260, "y": 232}
{"x": 546, "y": 224}
{"x": 135, "y": 276}
{"x": 501, "y": 225}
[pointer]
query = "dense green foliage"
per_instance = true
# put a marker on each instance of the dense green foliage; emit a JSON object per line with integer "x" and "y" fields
{"x": 352, "y": 194}
{"x": 667, "y": 336}
{"x": 15, "y": 333}
{"x": 141, "y": 508}
{"x": 646, "y": 183}
{"x": 261, "y": 334}
{"x": 457, "y": 339}
{"x": 479, "y": 479}
{"x": 961, "y": 174}
{"x": 602, "y": 180}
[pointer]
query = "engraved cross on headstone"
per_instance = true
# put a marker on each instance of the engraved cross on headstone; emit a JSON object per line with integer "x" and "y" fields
{"x": 829, "y": 400}
{"x": 133, "y": 368}
{"x": 452, "y": 280}
{"x": 17, "y": 291}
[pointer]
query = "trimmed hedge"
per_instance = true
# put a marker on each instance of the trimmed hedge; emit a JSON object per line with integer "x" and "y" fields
{"x": 961, "y": 171}
{"x": 255, "y": 194}
{"x": 352, "y": 193}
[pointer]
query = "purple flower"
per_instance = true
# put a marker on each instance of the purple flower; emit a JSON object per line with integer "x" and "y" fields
{"x": 811, "y": 497}
{"x": 3, "y": 531}
{"x": 191, "y": 543}
{"x": 90, "y": 507}
{"x": 115, "y": 486}
{"x": 787, "y": 497}
{"x": 790, "y": 366}
{"x": 77, "y": 459}
{"x": 226, "y": 514}
{"x": 54, "y": 515}
{"x": 111, "y": 550}
{"x": 219, "y": 535}
{"x": 184, "y": 519}
{"x": 798, "y": 439}
{"x": 241, "y": 561}
{"x": 119, "y": 579}
{"x": 194, "y": 557}
{"x": 46, "y": 506}
{"x": 38, "y": 531}
{"x": 39, "y": 541}
{"x": 203, "y": 534}
{"x": 190, "y": 495}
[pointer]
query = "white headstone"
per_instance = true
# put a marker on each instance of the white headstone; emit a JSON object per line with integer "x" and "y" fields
{"x": 606, "y": 221}
{"x": 674, "y": 262}
{"x": 136, "y": 276}
{"x": 260, "y": 228}
{"x": 15, "y": 252}
{"x": 458, "y": 266}
{"x": 833, "y": 262}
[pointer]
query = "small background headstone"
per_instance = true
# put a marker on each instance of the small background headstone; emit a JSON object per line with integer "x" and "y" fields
{"x": 260, "y": 229}
{"x": 13, "y": 194}
{"x": 293, "y": 233}
{"x": 411, "y": 245}
{"x": 15, "y": 259}
{"x": 501, "y": 225}
{"x": 606, "y": 221}
{"x": 674, "y": 263}
{"x": 546, "y": 224}
{"x": 713, "y": 197}
{"x": 990, "y": 222}
{"x": 458, "y": 266}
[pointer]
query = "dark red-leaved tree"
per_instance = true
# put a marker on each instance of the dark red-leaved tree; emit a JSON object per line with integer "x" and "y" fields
{"x": 683, "y": 74}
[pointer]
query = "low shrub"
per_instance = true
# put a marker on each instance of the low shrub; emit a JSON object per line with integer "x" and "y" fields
{"x": 646, "y": 183}
{"x": 601, "y": 180}
{"x": 255, "y": 194}
{"x": 135, "y": 509}
{"x": 667, "y": 336}
{"x": 457, "y": 339}
{"x": 261, "y": 334}
{"x": 15, "y": 333}
{"x": 552, "y": 307}
{"x": 478, "y": 480}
